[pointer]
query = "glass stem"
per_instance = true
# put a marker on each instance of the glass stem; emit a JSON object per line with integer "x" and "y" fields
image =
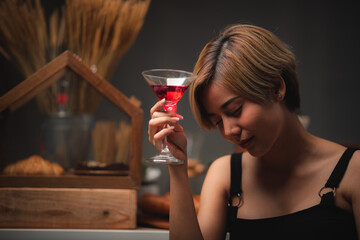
{"x": 164, "y": 146}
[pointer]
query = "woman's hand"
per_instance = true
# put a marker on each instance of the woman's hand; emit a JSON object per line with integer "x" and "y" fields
{"x": 165, "y": 124}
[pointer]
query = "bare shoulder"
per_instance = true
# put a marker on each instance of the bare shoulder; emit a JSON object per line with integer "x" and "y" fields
{"x": 213, "y": 200}
{"x": 356, "y": 158}
{"x": 351, "y": 181}
{"x": 220, "y": 164}
{"x": 218, "y": 174}
{"x": 220, "y": 168}
{"x": 353, "y": 170}
{"x": 352, "y": 178}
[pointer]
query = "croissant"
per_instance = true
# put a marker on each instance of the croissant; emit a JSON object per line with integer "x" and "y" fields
{"x": 34, "y": 165}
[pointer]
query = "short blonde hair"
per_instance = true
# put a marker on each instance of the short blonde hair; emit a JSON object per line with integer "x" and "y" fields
{"x": 248, "y": 60}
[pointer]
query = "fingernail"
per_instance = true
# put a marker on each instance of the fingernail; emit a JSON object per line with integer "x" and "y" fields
{"x": 175, "y": 118}
{"x": 162, "y": 100}
{"x": 172, "y": 127}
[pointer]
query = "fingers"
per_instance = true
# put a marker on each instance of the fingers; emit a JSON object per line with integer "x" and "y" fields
{"x": 156, "y": 110}
{"x": 157, "y": 107}
{"x": 162, "y": 123}
{"x": 160, "y": 127}
{"x": 161, "y": 120}
{"x": 158, "y": 137}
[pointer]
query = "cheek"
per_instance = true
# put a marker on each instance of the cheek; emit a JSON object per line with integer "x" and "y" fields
{"x": 269, "y": 126}
{"x": 253, "y": 117}
{"x": 261, "y": 121}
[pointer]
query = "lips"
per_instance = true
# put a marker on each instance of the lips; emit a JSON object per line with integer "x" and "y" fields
{"x": 246, "y": 142}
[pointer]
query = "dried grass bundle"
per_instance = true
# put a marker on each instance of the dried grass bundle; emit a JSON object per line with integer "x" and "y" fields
{"x": 111, "y": 143}
{"x": 101, "y": 32}
{"x": 24, "y": 36}
{"x": 98, "y": 31}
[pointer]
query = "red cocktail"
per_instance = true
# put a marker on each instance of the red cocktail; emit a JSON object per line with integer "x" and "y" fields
{"x": 172, "y": 95}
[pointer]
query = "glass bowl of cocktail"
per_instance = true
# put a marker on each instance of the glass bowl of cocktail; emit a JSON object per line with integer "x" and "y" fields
{"x": 168, "y": 84}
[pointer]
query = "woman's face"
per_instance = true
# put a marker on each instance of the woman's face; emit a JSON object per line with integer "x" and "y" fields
{"x": 251, "y": 126}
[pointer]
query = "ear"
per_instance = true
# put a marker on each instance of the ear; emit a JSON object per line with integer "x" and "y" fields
{"x": 279, "y": 93}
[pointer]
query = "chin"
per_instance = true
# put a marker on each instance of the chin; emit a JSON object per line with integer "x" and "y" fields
{"x": 253, "y": 153}
{"x": 256, "y": 151}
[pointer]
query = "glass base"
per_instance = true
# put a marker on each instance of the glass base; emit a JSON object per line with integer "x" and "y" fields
{"x": 165, "y": 158}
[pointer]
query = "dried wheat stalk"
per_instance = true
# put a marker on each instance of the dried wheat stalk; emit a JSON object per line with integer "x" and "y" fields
{"x": 100, "y": 32}
{"x": 24, "y": 38}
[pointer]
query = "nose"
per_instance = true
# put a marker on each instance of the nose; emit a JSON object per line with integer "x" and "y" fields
{"x": 230, "y": 126}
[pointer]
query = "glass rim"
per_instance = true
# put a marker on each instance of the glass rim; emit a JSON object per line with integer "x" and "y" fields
{"x": 149, "y": 71}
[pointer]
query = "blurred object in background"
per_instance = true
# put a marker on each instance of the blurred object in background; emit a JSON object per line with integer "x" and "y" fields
{"x": 155, "y": 208}
{"x": 195, "y": 142}
{"x": 305, "y": 120}
{"x": 66, "y": 139}
{"x": 150, "y": 180}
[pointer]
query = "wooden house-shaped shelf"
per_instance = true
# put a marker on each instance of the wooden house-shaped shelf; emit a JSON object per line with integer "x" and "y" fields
{"x": 123, "y": 187}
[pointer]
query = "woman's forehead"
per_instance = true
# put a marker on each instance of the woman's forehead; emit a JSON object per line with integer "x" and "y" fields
{"x": 216, "y": 95}
{"x": 218, "y": 89}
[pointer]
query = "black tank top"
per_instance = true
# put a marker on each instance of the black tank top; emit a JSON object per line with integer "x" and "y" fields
{"x": 322, "y": 221}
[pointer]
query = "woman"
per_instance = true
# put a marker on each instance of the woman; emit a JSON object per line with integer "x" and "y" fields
{"x": 247, "y": 88}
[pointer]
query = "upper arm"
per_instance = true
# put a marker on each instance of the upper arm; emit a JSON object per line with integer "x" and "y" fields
{"x": 354, "y": 178}
{"x": 212, "y": 213}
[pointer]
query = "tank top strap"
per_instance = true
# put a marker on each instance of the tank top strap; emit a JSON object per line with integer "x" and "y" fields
{"x": 336, "y": 176}
{"x": 236, "y": 172}
{"x": 235, "y": 188}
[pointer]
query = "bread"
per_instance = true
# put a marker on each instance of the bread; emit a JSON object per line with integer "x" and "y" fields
{"x": 154, "y": 204}
{"x": 195, "y": 168}
{"x": 34, "y": 165}
{"x": 196, "y": 199}
{"x": 160, "y": 205}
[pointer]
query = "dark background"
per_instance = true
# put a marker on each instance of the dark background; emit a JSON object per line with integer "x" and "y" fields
{"x": 323, "y": 34}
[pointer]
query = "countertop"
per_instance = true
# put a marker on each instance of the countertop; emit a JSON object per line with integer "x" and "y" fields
{"x": 82, "y": 234}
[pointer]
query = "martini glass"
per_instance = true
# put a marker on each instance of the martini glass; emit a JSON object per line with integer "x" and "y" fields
{"x": 171, "y": 85}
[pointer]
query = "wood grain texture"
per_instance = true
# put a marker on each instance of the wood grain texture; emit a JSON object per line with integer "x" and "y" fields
{"x": 70, "y": 181}
{"x": 68, "y": 208}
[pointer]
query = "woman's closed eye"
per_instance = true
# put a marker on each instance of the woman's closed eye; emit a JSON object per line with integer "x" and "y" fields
{"x": 218, "y": 123}
{"x": 236, "y": 112}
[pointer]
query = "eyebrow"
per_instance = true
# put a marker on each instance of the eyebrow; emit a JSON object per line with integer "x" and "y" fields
{"x": 228, "y": 102}
{"x": 224, "y": 105}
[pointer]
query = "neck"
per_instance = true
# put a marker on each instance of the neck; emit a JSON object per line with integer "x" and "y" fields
{"x": 291, "y": 147}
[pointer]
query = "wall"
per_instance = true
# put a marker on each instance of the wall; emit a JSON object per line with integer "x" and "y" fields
{"x": 323, "y": 34}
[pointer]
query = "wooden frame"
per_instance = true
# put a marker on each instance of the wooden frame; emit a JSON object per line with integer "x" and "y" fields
{"x": 42, "y": 79}
{"x": 68, "y": 208}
